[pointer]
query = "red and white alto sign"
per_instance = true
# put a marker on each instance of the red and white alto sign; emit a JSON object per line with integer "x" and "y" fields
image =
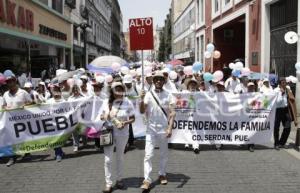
{"x": 141, "y": 33}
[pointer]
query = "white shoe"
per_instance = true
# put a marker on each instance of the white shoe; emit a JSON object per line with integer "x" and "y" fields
{"x": 75, "y": 149}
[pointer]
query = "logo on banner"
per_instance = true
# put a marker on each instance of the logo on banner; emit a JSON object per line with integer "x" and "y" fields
{"x": 185, "y": 104}
{"x": 261, "y": 103}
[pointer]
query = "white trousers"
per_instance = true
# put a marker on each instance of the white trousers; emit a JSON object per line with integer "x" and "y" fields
{"x": 120, "y": 144}
{"x": 151, "y": 141}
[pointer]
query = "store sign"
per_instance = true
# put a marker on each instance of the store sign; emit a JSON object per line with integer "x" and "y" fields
{"x": 15, "y": 15}
{"x": 141, "y": 34}
{"x": 44, "y": 30}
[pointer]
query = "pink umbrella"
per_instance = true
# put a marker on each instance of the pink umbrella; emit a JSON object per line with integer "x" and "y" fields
{"x": 175, "y": 62}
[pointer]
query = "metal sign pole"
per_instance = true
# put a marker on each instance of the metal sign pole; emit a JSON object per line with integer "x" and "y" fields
{"x": 143, "y": 73}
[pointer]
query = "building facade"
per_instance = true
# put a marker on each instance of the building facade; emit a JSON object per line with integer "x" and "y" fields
{"x": 116, "y": 28}
{"x": 99, "y": 37}
{"x": 35, "y": 36}
{"x": 184, "y": 35}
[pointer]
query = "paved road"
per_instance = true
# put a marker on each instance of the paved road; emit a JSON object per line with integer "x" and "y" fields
{"x": 232, "y": 170}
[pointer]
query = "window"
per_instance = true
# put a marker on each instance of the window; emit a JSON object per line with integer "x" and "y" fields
{"x": 198, "y": 49}
{"x": 226, "y": 5}
{"x": 75, "y": 32}
{"x": 202, "y": 49}
{"x": 216, "y": 11}
{"x": 200, "y": 12}
{"x": 57, "y": 5}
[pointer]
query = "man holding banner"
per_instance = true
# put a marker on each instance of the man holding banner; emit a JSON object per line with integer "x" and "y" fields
{"x": 158, "y": 105}
{"x": 14, "y": 98}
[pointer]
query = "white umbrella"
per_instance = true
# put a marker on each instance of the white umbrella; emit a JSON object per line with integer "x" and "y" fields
{"x": 107, "y": 61}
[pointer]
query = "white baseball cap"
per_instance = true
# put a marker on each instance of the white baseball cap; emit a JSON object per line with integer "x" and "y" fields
{"x": 127, "y": 79}
{"x": 250, "y": 84}
{"x": 28, "y": 85}
{"x": 84, "y": 77}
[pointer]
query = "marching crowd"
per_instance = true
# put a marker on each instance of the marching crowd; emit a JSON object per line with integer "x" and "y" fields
{"x": 156, "y": 102}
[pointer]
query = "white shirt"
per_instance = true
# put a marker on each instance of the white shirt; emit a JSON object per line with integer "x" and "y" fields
{"x": 131, "y": 92}
{"x": 240, "y": 88}
{"x": 18, "y": 100}
{"x": 231, "y": 84}
{"x": 34, "y": 96}
{"x": 1, "y": 102}
{"x": 53, "y": 101}
{"x": 44, "y": 97}
{"x": 170, "y": 87}
{"x": 157, "y": 121}
{"x": 282, "y": 100}
{"x": 266, "y": 90}
{"x": 124, "y": 111}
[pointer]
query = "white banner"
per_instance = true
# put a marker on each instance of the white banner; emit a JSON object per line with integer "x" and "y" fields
{"x": 45, "y": 126}
{"x": 223, "y": 118}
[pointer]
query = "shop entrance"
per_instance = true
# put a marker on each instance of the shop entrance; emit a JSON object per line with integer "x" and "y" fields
{"x": 230, "y": 40}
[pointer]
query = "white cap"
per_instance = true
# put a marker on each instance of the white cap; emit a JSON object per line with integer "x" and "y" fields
{"x": 42, "y": 83}
{"x": 148, "y": 75}
{"x": 127, "y": 79}
{"x": 250, "y": 84}
{"x": 84, "y": 77}
{"x": 265, "y": 80}
{"x": 100, "y": 79}
{"x": 28, "y": 85}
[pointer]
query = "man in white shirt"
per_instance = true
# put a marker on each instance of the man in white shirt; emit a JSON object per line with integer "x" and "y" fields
{"x": 266, "y": 87}
{"x": 231, "y": 83}
{"x": 242, "y": 87}
{"x": 33, "y": 94}
{"x": 282, "y": 115}
{"x": 14, "y": 98}
{"x": 158, "y": 105}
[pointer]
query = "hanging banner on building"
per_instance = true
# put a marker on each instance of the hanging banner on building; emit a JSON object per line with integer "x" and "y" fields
{"x": 46, "y": 126}
{"x": 223, "y": 118}
{"x": 141, "y": 33}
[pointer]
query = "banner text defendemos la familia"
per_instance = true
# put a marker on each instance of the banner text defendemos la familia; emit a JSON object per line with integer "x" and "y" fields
{"x": 223, "y": 118}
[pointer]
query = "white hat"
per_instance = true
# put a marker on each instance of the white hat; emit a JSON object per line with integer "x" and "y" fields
{"x": 42, "y": 83}
{"x": 28, "y": 85}
{"x": 265, "y": 80}
{"x": 148, "y": 75}
{"x": 127, "y": 79}
{"x": 84, "y": 77}
{"x": 100, "y": 79}
{"x": 159, "y": 74}
{"x": 250, "y": 84}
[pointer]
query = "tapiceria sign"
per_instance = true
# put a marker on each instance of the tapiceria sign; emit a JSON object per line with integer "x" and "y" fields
{"x": 16, "y": 16}
{"x": 141, "y": 33}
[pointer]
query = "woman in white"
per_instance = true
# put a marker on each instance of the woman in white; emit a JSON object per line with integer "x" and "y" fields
{"x": 120, "y": 111}
{"x": 76, "y": 95}
{"x": 192, "y": 87}
{"x": 43, "y": 93}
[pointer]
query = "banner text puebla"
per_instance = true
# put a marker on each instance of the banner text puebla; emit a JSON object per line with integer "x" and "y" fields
{"x": 42, "y": 127}
{"x": 223, "y": 118}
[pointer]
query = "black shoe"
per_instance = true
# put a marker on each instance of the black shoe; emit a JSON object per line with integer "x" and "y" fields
{"x": 26, "y": 156}
{"x": 196, "y": 151}
{"x": 120, "y": 185}
{"x": 277, "y": 147}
